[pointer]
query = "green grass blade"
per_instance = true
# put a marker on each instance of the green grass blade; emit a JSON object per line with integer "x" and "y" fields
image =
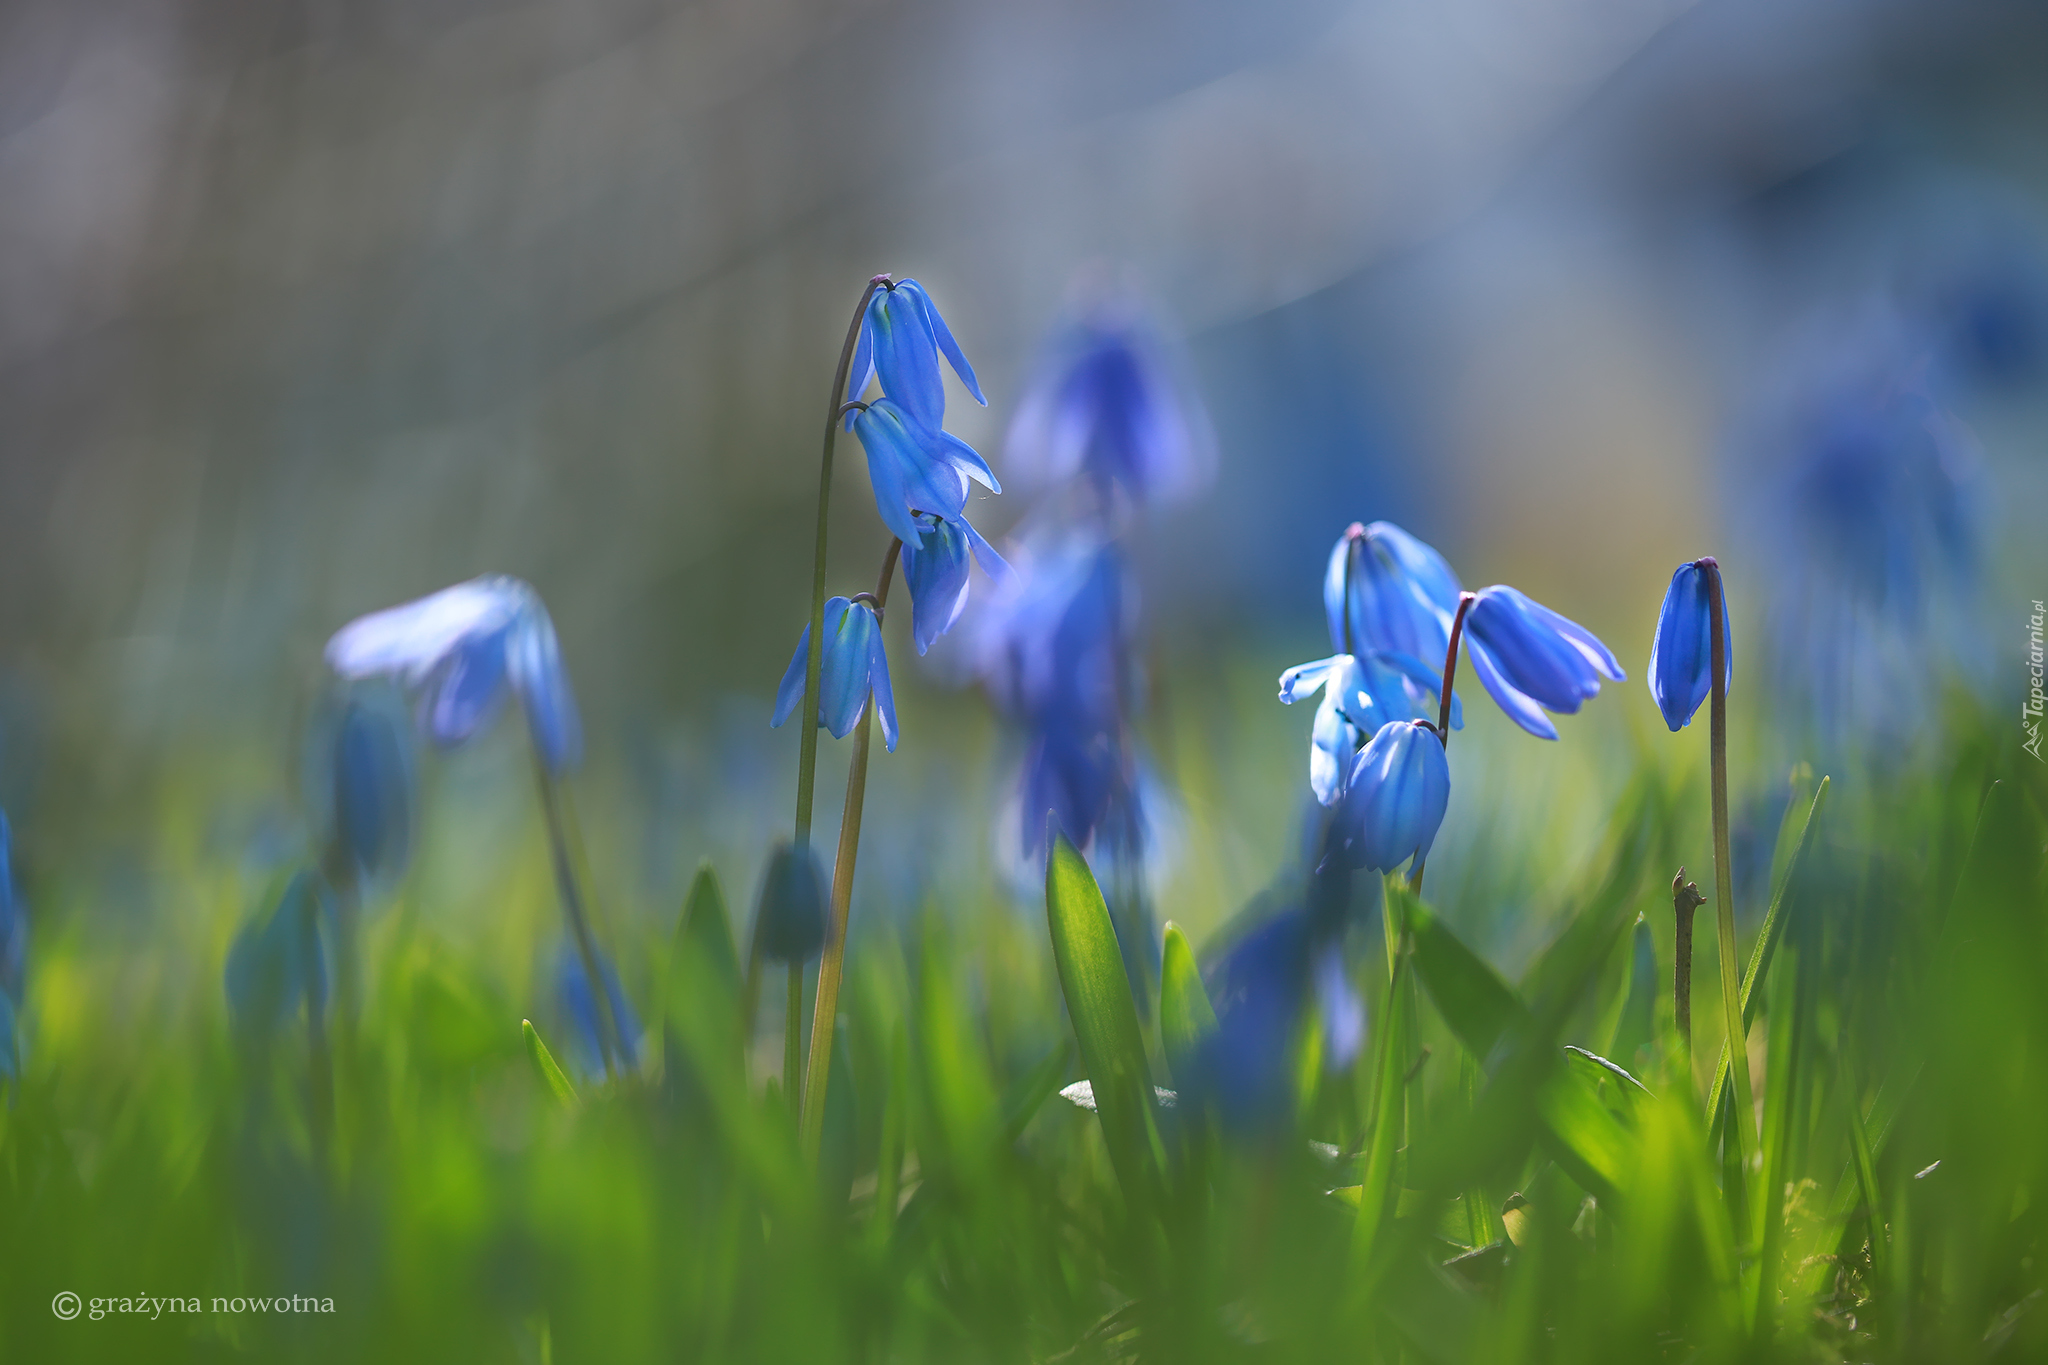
{"x": 1185, "y": 1015}
{"x": 544, "y": 1062}
{"x": 1104, "y": 1016}
{"x": 1377, "y": 1189}
{"x": 1866, "y": 1181}
{"x": 1766, "y": 947}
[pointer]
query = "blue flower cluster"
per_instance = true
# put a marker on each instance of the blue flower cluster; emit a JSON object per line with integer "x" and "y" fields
{"x": 1395, "y": 612}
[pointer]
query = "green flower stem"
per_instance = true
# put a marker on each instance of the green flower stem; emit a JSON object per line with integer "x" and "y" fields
{"x": 562, "y": 842}
{"x": 825, "y": 1012}
{"x": 1744, "y": 1116}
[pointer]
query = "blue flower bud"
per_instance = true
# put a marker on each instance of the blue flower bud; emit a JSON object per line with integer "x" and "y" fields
{"x": 279, "y": 960}
{"x": 462, "y": 650}
{"x": 902, "y": 337}
{"x": 1681, "y": 657}
{"x": 1396, "y": 594}
{"x": 1394, "y": 799}
{"x": 854, "y": 663}
{"x": 915, "y": 467}
{"x": 1530, "y": 658}
{"x": 789, "y": 923}
{"x": 572, "y": 984}
{"x": 935, "y": 571}
{"x": 371, "y": 769}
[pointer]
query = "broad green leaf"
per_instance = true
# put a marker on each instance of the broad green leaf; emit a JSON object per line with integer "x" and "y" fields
{"x": 1584, "y": 1138}
{"x": 1105, "y": 1019}
{"x": 1470, "y": 995}
{"x": 705, "y": 1034}
{"x": 544, "y": 1062}
{"x": 1185, "y": 1015}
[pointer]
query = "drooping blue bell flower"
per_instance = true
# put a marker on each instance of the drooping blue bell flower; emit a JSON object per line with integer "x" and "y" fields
{"x": 579, "y": 1006}
{"x": 1681, "y": 657}
{"x": 371, "y": 786}
{"x": 914, "y": 467}
{"x": 463, "y": 649}
{"x": 1108, "y": 406}
{"x": 790, "y": 922}
{"x": 854, "y": 663}
{"x": 1386, "y": 591}
{"x": 1394, "y": 799}
{"x": 1532, "y": 659}
{"x": 902, "y": 337}
{"x": 279, "y": 960}
{"x": 935, "y": 571}
{"x": 1359, "y": 696}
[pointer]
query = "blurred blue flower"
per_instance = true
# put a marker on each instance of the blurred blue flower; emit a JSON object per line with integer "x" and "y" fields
{"x": 935, "y": 571}
{"x": 1262, "y": 988}
{"x": 579, "y": 1006}
{"x": 372, "y": 784}
{"x": 1394, "y": 800}
{"x": 278, "y": 960}
{"x": 789, "y": 923}
{"x": 854, "y": 663}
{"x": 462, "y": 649}
{"x": 914, "y": 467}
{"x": 13, "y": 919}
{"x": 1107, "y": 406}
{"x": 1681, "y": 669}
{"x": 1530, "y": 658}
{"x": 1359, "y": 696}
{"x": 902, "y": 337}
{"x": 1386, "y": 591}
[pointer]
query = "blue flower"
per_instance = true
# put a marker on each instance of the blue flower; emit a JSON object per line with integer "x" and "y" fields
{"x": 1530, "y": 658}
{"x": 13, "y": 921}
{"x": 902, "y": 337}
{"x": 277, "y": 961}
{"x": 572, "y": 983}
{"x": 1107, "y": 406}
{"x": 1262, "y": 988}
{"x": 789, "y": 923}
{"x": 1359, "y": 696}
{"x": 1394, "y": 800}
{"x": 935, "y": 571}
{"x": 1395, "y": 594}
{"x": 463, "y": 649}
{"x": 854, "y": 664}
{"x": 915, "y": 467}
{"x": 1681, "y": 667}
{"x": 367, "y": 764}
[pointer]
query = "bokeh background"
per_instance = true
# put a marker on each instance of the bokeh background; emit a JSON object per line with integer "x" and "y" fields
{"x": 308, "y": 308}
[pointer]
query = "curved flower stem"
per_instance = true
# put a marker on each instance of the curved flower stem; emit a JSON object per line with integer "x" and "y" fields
{"x": 1443, "y": 713}
{"x": 562, "y": 844}
{"x": 826, "y": 1009}
{"x": 1744, "y": 1115}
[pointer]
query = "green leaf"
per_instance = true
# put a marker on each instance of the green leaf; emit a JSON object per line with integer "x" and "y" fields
{"x": 705, "y": 1038}
{"x": 1470, "y": 995}
{"x": 1584, "y": 1138}
{"x": 1760, "y": 956}
{"x": 1593, "y": 1067}
{"x": 1185, "y": 1015}
{"x": 1105, "y": 1019}
{"x": 544, "y": 1062}
{"x": 1031, "y": 1090}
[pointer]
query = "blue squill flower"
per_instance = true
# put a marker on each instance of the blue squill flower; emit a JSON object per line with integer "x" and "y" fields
{"x": 935, "y": 571}
{"x": 1681, "y": 668}
{"x": 572, "y": 983}
{"x": 1109, "y": 407}
{"x": 902, "y": 337}
{"x": 854, "y": 663}
{"x": 1532, "y": 659}
{"x": 462, "y": 650}
{"x": 1359, "y": 696}
{"x": 368, "y": 767}
{"x": 277, "y": 961}
{"x": 914, "y": 467}
{"x": 1394, "y": 800}
{"x": 1386, "y": 591}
